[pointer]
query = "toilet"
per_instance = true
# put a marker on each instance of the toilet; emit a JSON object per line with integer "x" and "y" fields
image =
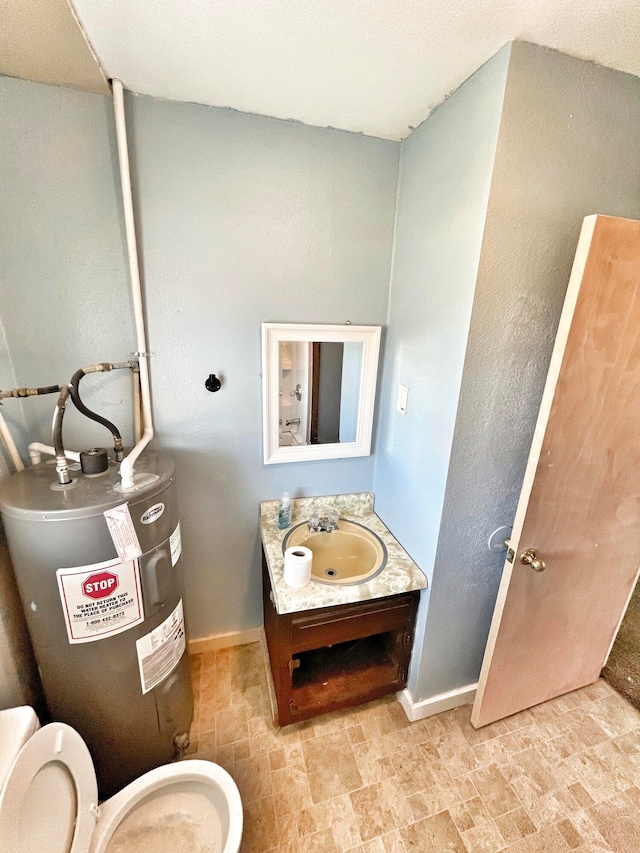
{"x": 49, "y": 799}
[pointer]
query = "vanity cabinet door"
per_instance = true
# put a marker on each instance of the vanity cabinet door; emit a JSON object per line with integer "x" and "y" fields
{"x": 327, "y": 626}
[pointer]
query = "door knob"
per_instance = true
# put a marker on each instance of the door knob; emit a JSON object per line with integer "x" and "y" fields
{"x": 529, "y": 558}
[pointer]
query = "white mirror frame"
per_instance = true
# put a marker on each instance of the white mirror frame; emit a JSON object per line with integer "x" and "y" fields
{"x": 275, "y": 333}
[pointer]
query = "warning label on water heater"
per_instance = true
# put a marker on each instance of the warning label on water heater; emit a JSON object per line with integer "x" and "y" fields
{"x": 160, "y": 650}
{"x": 175, "y": 543}
{"x": 100, "y": 600}
{"x": 123, "y": 533}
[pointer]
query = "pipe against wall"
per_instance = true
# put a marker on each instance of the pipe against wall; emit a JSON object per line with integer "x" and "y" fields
{"x": 127, "y": 465}
{"x": 137, "y": 413}
{"x": 10, "y": 445}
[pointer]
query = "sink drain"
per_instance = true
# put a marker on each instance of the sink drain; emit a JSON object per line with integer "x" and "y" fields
{"x": 330, "y": 573}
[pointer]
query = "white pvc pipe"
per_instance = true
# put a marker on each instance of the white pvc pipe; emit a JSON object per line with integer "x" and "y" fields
{"x": 36, "y": 449}
{"x": 137, "y": 414}
{"x": 10, "y": 445}
{"x": 127, "y": 464}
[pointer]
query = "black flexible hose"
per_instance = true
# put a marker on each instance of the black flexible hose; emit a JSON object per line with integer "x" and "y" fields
{"x": 80, "y": 406}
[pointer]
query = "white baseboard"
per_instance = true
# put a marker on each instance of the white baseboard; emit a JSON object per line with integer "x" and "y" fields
{"x": 223, "y": 641}
{"x": 436, "y": 704}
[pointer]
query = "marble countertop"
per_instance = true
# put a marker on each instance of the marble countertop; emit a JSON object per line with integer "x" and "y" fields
{"x": 399, "y": 575}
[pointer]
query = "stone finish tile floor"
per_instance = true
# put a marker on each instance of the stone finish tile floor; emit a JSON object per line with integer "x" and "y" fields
{"x": 561, "y": 777}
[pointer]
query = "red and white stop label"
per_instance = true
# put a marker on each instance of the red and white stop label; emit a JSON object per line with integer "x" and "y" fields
{"x": 100, "y": 585}
{"x": 100, "y": 600}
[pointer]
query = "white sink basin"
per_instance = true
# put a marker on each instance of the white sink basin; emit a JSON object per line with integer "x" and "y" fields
{"x": 350, "y": 555}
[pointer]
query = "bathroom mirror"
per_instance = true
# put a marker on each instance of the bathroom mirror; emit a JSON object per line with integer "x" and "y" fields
{"x": 318, "y": 387}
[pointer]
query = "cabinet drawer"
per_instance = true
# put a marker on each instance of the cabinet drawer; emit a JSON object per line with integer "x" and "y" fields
{"x": 328, "y": 626}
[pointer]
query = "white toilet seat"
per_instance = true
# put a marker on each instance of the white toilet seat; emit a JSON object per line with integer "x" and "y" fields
{"x": 49, "y": 799}
{"x": 17, "y": 725}
{"x": 51, "y": 788}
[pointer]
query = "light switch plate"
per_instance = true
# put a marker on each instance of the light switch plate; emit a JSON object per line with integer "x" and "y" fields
{"x": 401, "y": 405}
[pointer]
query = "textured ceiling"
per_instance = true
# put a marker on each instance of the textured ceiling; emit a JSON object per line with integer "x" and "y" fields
{"x": 41, "y": 40}
{"x": 375, "y": 66}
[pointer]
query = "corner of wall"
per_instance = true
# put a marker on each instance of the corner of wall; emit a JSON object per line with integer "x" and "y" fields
{"x": 443, "y": 188}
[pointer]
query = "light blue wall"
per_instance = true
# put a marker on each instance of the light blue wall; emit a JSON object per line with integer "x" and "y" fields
{"x": 487, "y": 225}
{"x": 242, "y": 220}
{"x": 18, "y": 676}
{"x": 246, "y": 220}
{"x": 445, "y": 176}
{"x": 64, "y": 298}
{"x": 569, "y": 146}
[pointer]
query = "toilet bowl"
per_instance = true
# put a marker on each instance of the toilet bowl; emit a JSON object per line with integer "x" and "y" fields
{"x": 49, "y": 799}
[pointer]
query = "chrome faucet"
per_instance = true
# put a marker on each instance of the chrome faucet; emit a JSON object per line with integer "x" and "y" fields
{"x": 293, "y": 421}
{"x": 324, "y": 523}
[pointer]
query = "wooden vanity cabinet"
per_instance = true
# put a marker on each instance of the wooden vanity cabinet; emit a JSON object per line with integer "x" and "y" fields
{"x": 336, "y": 657}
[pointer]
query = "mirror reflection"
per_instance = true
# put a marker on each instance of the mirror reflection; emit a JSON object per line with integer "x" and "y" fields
{"x": 319, "y": 391}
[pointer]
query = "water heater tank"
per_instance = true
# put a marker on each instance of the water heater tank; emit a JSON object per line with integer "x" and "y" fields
{"x": 99, "y": 576}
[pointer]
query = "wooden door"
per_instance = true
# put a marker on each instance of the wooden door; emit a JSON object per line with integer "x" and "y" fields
{"x": 315, "y": 391}
{"x": 579, "y": 508}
